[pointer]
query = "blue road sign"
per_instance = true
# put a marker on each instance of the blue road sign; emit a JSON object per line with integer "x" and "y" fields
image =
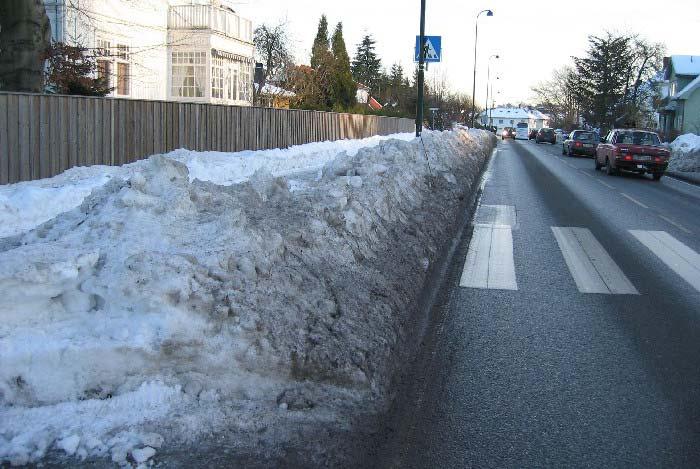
{"x": 433, "y": 48}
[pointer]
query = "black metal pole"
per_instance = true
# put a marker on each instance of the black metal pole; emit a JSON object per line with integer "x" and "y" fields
{"x": 421, "y": 65}
{"x": 488, "y": 77}
{"x": 476, "y": 37}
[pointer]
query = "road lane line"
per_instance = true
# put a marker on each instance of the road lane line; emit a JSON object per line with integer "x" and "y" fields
{"x": 676, "y": 255}
{"x": 633, "y": 200}
{"x": 592, "y": 268}
{"x": 585, "y": 173}
{"x": 677, "y": 225}
{"x": 605, "y": 184}
{"x": 683, "y": 182}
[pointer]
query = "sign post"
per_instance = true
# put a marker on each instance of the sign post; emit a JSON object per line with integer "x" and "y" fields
{"x": 421, "y": 64}
{"x": 428, "y": 49}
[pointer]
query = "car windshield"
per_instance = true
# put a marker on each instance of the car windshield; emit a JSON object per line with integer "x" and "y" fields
{"x": 638, "y": 138}
{"x": 584, "y": 136}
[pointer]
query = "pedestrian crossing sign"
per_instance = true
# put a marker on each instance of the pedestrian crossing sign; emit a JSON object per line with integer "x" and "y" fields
{"x": 433, "y": 48}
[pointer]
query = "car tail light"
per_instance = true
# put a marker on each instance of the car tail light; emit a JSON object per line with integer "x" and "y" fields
{"x": 628, "y": 157}
{"x": 658, "y": 159}
{"x": 578, "y": 144}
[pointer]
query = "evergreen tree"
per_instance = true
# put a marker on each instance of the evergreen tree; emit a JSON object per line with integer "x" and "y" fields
{"x": 603, "y": 76}
{"x": 366, "y": 65}
{"x": 320, "y": 49}
{"x": 343, "y": 86}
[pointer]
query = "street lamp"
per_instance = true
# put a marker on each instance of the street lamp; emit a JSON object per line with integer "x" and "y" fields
{"x": 488, "y": 78}
{"x": 493, "y": 101}
{"x": 476, "y": 38}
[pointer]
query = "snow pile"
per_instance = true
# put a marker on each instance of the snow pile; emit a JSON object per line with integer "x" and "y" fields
{"x": 166, "y": 308}
{"x": 685, "y": 153}
{"x": 26, "y": 205}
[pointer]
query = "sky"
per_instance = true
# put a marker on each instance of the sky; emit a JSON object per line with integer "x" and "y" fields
{"x": 531, "y": 38}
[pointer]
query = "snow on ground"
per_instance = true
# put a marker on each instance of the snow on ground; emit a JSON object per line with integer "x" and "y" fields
{"x": 26, "y": 205}
{"x": 685, "y": 153}
{"x": 192, "y": 293}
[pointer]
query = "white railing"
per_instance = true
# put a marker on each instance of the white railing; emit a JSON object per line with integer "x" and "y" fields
{"x": 210, "y": 17}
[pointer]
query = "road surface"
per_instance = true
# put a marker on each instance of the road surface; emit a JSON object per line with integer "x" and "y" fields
{"x": 570, "y": 333}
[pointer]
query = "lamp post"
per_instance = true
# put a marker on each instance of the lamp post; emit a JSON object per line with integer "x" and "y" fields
{"x": 493, "y": 102}
{"x": 421, "y": 65}
{"x": 488, "y": 79}
{"x": 476, "y": 38}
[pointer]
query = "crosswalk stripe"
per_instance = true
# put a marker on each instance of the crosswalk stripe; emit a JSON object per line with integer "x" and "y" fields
{"x": 489, "y": 261}
{"x": 676, "y": 255}
{"x": 592, "y": 268}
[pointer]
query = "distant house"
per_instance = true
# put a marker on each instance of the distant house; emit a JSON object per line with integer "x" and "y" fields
{"x": 679, "y": 93}
{"x": 363, "y": 96}
{"x": 274, "y": 96}
{"x": 502, "y": 117}
{"x": 179, "y": 50}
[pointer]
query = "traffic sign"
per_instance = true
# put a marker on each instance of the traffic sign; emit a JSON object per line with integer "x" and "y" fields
{"x": 433, "y": 48}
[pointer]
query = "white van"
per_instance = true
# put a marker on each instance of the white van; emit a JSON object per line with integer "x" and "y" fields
{"x": 521, "y": 131}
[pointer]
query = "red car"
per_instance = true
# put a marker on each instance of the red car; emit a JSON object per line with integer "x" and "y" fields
{"x": 637, "y": 151}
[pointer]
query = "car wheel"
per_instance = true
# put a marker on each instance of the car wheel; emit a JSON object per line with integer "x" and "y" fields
{"x": 657, "y": 176}
{"x": 609, "y": 169}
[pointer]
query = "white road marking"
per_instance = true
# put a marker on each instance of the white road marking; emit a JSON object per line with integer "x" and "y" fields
{"x": 682, "y": 182}
{"x": 592, "y": 268}
{"x": 605, "y": 184}
{"x": 679, "y": 257}
{"x": 489, "y": 262}
{"x": 585, "y": 173}
{"x": 495, "y": 215}
{"x": 633, "y": 200}
{"x": 677, "y": 225}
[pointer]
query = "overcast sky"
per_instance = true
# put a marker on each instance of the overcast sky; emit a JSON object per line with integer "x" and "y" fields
{"x": 532, "y": 38}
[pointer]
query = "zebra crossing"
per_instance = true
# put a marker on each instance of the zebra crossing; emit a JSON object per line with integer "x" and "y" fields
{"x": 490, "y": 259}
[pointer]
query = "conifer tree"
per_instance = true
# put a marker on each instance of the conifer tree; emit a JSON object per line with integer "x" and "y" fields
{"x": 366, "y": 66}
{"x": 343, "y": 89}
{"x": 320, "y": 49}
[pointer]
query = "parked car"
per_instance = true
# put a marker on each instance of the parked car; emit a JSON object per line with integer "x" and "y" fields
{"x": 638, "y": 151}
{"x": 532, "y": 134}
{"x": 545, "y": 134}
{"x": 580, "y": 142}
{"x": 508, "y": 132}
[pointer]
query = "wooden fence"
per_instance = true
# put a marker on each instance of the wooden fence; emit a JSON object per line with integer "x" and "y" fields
{"x": 43, "y": 135}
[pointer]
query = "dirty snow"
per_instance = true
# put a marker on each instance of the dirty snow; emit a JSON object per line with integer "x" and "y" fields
{"x": 685, "y": 153}
{"x": 192, "y": 294}
{"x": 26, "y": 205}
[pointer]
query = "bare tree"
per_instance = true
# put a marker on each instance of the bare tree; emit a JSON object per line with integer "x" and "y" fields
{"x": 272, "y": 49}
{"x": 25, "y": 33}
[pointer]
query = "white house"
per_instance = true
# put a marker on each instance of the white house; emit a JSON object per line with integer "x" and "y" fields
{"x": 501, "y": 117}
{"x": 181, "y": 50}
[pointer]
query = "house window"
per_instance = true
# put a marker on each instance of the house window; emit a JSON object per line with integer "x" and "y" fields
{"x": 246, "y": 84}
{"x": 104, "y": 70}
{"x": 500, "y": 121}
{"x": 103, "y": 48}
{"x": 232, "y": 81}
{"x": 512, "y": 121}
{"x": 122, "y": 78}
{"x": 122, "y": 52}
{"x": 189, "y": 74}
{"x": 217, "y": 78}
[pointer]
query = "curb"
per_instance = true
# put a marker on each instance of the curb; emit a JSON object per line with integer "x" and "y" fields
{"x": 691, "y": 178}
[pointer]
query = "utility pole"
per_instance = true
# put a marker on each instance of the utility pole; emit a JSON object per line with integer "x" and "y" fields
{"x": 421, "y": 66}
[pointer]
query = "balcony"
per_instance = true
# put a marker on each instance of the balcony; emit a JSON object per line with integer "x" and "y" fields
{"x": 212, "y": 18}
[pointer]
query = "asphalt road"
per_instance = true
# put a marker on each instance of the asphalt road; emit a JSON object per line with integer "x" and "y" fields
{"x": 527, "y": 369}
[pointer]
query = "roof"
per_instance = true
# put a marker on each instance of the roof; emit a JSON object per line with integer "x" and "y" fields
{"x": 516, "y": 113}
{"x": 374, "y": 104}
{"x": 686, "y": 64}
{"x": 689, "y": 89}
{"x": 272, "y": 90}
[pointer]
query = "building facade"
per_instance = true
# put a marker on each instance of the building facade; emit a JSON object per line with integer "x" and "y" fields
{"x": 502, "y": 117}
{"x": 679, "y": 93}
{"x": 180, "y": 50}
